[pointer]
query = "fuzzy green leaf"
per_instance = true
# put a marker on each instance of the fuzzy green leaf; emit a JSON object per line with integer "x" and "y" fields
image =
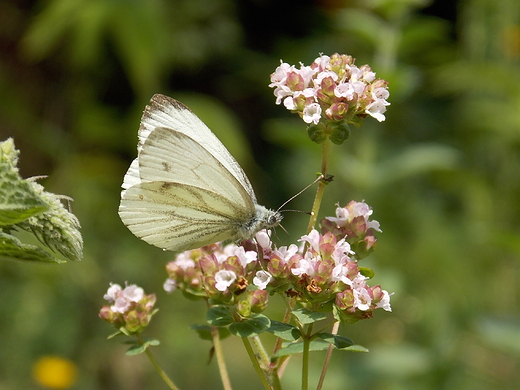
{"x": 18, "y": 199}
{"x": 12, "y": 248}
{"x": 56, "y": 228}
{"x": 25, "y": 205}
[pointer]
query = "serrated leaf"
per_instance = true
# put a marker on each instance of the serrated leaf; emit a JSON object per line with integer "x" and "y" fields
{"x": 204, "y": 332}
{"x": 13, "y": 249}
{"x": 284, "y": 331}
{"x": 56, "y": 228}
{"x": 251, "y": 326}
{"x": 305, "y": 316}
{"x": 297, "y": 347}
{"x": 219, "y": 316}
{"x": 340, "y": 342}
{"x": 18, "y": 200}
{"x": 25, "y": 205}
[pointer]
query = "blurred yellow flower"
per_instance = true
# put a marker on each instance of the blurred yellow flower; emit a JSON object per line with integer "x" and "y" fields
{"x": 55, "y": 372}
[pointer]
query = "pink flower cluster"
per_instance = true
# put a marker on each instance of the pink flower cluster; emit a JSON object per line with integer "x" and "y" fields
{"x": 353, "y": 222}
{"x": 130, "y": 309}
{"x": 323, "y": 269}
{"x": 331, "y": 88}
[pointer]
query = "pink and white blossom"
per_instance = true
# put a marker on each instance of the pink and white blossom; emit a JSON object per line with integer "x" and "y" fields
{"x": 313, "y": 91}
{"x": 224, "y": 279}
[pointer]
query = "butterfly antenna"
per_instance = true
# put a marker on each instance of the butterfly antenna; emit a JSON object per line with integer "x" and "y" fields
{"x": 320, "y": 177}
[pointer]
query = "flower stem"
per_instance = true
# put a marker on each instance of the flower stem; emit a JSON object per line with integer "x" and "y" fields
{"x": 256, "y": 365}
{"x": 325, "y": 148}
{"x": 305, "y": 359}
{"x": 335, "y": 329}
{"x": 158, "y": 368}
{"x": 262, "y": 353}
{"x": 217, "y": 345}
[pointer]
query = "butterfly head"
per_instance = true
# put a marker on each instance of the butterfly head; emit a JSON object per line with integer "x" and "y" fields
{"x": 263, "y": 219}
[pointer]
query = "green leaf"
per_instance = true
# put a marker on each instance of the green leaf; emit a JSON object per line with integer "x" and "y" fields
{"x": 118, "y": 333}
{"x": 340, "y": 342}
{"x": 284, "y": 331}
{"x": 355, "y": 348}
{"x": 367, "y": 272}
{"x": 18, "y": 198}
{"x": 136, "y": 349}
{"x": 204, "y": 332}
{"x": 297, "y": 347}
{"x": 25, "y": 205}
{"x": 220, "y": 316}
{"x": 13, "y": 249}
{"x": 251, "y": 326}
{"x": 56, "y": 228}
{"x": 305, "y": 316}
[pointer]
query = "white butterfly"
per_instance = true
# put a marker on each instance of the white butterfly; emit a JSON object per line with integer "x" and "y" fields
{"x": 185, "y": 190}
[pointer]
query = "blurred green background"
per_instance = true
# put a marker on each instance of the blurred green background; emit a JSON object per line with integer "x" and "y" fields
{"x": 442, "y": 175}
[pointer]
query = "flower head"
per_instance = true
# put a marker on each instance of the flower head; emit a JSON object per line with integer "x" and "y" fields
{"x": 354, "y": 224}
{"x": 331, "y": 89}
{"x": 322, "y": 270}
{"x": 130, "y": 310}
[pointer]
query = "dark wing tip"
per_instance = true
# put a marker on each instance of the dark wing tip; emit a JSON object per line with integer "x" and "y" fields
{"x": 163, "y": 102}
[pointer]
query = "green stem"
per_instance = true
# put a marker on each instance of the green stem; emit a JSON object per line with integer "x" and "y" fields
{"x": 217, "y": 345}
{"x": 256, "y": 365}
{"x": 262, "y": 353}
{"x": 268, "y": 368}
{"x": 158, "y": 368}
{"x": 305, "y": 359}
{"x": 325, "y": 150}
{"x": 335, "y": 329}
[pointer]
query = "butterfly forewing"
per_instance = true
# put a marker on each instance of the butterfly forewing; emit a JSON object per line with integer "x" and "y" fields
{"x": 168, "y": 155}
{"x": 164, "y": 111}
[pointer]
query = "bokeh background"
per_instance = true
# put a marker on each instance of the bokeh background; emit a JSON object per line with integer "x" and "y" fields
{"x": 442, "y": 175}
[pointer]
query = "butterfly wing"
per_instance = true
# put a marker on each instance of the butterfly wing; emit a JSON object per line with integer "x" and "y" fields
{"x": 178, "y": 196}
{"x": 166, "y": 112}
{"x": 179, "y": 217}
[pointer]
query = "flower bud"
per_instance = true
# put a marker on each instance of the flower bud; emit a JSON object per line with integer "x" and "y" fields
{"x": 317, "y": 133}
{"x": 340, "y": 131}
{"x": 254, "y": 301}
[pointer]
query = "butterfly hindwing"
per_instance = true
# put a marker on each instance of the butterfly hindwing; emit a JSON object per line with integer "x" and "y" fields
{"x": 178, "y": 217}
